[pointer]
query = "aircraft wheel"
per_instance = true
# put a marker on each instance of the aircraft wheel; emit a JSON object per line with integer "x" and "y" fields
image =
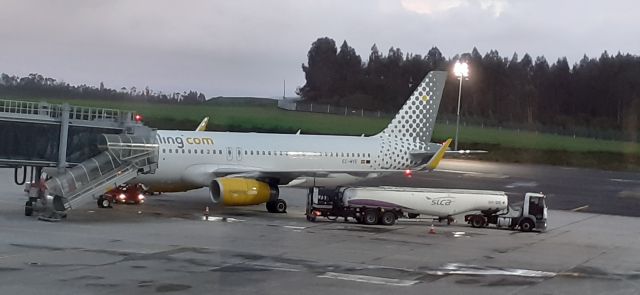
{"x": 388, "y": 218}
{"x": 269, "y": 206}
{"x": 28, "y": 208}
{"x": 280, "y": 206}
{"x": 526, "y": 225}
{"x": 370, "y": 217}
{"x": 412, "y": 215}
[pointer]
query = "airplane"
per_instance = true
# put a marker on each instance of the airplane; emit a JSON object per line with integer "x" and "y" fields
{"x": 247, "y": 168}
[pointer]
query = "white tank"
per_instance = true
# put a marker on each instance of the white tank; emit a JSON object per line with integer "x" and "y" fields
{"x": 425, "y": 201}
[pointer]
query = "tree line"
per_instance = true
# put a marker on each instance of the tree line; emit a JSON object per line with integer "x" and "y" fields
{"x": 602, "y": 93}
{"x": 36, "y": 85}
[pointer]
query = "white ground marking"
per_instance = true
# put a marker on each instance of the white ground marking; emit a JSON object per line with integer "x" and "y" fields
{"x": 367, "y": 279}
{"x": 624, "y": 180}
{"x": 580, "y": 208}
{"x": 222, "y": 219}
{"x": 467, "y": 269}
{"x": 295, "y": 227}
{"x": 522, "y": 184}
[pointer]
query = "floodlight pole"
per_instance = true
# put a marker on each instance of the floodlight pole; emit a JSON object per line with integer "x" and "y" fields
{"x": 458, "y": 113}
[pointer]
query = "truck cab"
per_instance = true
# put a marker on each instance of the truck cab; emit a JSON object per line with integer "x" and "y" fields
{"x": 526, "y": 216}
{"x": 535, "y": 209}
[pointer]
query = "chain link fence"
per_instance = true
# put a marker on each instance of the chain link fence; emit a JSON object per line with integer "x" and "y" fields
{"x": 293, "y": 105}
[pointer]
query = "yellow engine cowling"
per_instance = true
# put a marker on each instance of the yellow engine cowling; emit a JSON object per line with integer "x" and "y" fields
{"x": 241, "y": 192}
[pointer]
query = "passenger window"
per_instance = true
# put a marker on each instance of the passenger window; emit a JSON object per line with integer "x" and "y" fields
{"x": 269, "y": 153}
{"x": 208, "y": 152}
{"x": 202, "y": 151}
{"x": 183, "y": 151}
{"x": 164, "y": 151}
{"x": 246, "y": 153}
{"x": 220, "y": 152}
{"x": 263, "y": 153}
{"x": 189, "y": 151}
{"x": 176, "y": 151}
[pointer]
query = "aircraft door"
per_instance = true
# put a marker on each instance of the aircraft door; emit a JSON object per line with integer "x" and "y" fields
{"x": 229, "y": 154}
{"x": 239, "y": 154}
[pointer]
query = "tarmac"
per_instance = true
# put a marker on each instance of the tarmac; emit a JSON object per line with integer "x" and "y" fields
{"x": 166, "y": 246}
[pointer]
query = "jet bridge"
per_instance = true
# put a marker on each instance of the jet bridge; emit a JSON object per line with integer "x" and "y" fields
{"x": 87, "y": 151}
{"x": 123, "y": 158}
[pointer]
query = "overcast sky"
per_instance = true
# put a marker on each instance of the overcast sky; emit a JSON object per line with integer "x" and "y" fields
{"x": 248, "y": 47}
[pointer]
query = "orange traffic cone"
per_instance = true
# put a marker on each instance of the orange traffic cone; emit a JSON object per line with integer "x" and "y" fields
{"x": 206, "y": 213}
{"x": 432, "y": 230}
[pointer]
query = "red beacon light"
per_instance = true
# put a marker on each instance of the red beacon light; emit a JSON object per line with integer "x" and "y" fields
{"x": 408, "y": 173}
{"x": 137, "y": 118}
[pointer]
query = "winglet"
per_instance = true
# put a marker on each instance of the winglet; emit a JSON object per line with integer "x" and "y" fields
{"x": 435, "y": 160}
{"x": 203, "y": 124}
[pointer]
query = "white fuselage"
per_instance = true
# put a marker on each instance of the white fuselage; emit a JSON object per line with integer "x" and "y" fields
{"x": 181, "y": 151}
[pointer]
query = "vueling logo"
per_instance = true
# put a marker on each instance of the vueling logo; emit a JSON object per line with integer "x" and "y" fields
{"x": 180, "y": 140}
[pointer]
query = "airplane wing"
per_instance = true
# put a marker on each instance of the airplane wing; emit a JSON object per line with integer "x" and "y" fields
{"x": 203, "y": 124}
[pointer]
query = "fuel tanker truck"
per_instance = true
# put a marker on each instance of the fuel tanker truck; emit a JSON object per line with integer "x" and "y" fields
{"x": 384, "y": 205}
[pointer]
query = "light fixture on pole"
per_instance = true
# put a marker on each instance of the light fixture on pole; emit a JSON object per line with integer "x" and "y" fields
{"x": 461, "y": 70}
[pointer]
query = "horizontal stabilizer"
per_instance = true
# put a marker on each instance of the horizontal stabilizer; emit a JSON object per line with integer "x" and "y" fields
{"x": 437, "y": 157}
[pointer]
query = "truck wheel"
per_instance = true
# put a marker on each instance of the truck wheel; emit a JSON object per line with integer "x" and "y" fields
{"x": 388, "y": 218}
{"x": 477, "y": 221}
{"x": 412, "y": 215}
{"x": 104, "y": 202}
{"x": 526, "y": 225}
{"x": 311, "y": 218}
{"x": 28, "y": 208}
{"x": 370, "y": 217}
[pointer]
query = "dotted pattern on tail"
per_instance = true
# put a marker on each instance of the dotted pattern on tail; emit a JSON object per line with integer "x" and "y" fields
{"x": 412, "y": 127}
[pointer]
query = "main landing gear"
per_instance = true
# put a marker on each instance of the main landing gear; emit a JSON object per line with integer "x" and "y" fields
{"x": 277, "y": 206}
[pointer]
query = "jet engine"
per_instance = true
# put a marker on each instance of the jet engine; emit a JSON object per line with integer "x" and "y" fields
{"x": 241, "y": 192}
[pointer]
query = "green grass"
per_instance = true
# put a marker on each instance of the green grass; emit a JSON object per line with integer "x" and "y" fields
{"x": 266, "y": 117}
{"x": 532, "y": 140}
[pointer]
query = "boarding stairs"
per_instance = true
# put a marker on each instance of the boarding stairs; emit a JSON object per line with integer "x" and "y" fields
{"x": 123, "y": 158}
